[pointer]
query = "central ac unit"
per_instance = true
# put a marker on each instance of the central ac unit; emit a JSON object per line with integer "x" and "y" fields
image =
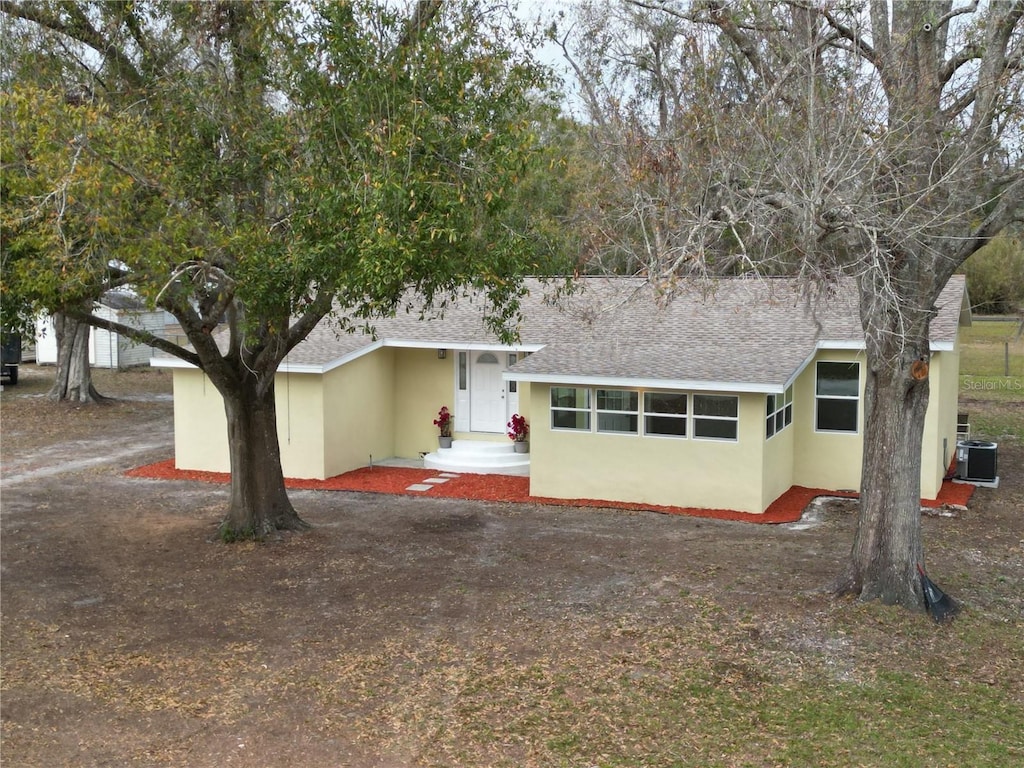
{"x": 976, "y": 460}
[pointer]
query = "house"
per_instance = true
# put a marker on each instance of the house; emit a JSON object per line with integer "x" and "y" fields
{"x": 107, "y": 349}
{"x": 723, "y": 397}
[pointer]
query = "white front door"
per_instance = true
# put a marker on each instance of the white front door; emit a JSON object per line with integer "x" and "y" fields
{"x": 487, "y": 393}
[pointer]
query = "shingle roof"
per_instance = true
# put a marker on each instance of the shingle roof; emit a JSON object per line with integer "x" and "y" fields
{"x": 732, "y": 333}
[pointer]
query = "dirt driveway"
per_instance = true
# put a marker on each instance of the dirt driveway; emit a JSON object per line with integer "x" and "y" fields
{"x": 399, "y": 631}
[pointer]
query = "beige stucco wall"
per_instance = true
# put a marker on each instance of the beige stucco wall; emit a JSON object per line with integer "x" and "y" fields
{"x": 653, "y": 470}
{"x": 830, "y": 460}
{"x": 300, "y": 424}
{"x": 833, "y": 460}
{"x": 939, "y": 445}
{"x": 777, "y": 470}
{"x": 422, "y": 385}
{"x": 359, "y": 417}
{"x": 200, "y": 426}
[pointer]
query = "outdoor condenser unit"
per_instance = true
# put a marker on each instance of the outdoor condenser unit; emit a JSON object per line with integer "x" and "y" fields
{"x": 976, "y": 461}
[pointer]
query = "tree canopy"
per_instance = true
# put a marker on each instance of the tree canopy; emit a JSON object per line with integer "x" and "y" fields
{"x": 254, "y": 167}
{"x": 878, "y": 140}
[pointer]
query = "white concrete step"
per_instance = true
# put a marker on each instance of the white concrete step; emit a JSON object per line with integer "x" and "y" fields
{"x": 480, "y": 457}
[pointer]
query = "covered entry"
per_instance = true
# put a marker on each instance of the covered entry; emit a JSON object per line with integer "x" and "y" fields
{"x": 484, "y": 401}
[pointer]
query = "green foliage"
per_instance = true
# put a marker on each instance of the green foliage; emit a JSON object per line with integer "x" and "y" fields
{"x": 331, "y": 155}
{"x": 995, "y": 276}
{"x": 262, "y": 164}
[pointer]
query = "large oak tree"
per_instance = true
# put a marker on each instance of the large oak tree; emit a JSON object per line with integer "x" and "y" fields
{"x": 254, "y": 168}
{"x": 878, "y": 140}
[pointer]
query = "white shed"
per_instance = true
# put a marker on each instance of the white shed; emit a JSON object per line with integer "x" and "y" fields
{"x": 106, "y": 349}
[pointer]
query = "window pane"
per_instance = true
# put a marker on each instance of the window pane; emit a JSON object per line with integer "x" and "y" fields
{"x": 665, "y": 425}
{"x": 770, "y": 426}
{"x": 838, "y": 379}
{"x": 570, "y": 397}
{"x": 789, "y": 415}
{"x": 463, "y": 359}
{"x": 487, "y": 358}
{"x": 770, "y": 409}
{"x": 663, "y": 402}
{"x": 837, "y": 415}
{"x": 715, "y": 405}
{"x": 724, "y": 430}
{"x": 570, "y": 419}
{"x": 617, "y": 422}
{"x": 616, "y": 400}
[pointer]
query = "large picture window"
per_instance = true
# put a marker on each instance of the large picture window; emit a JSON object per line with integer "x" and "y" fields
{"x": 570, "y": 408}
{"x": 617, "y": 410}
{"x": 715, "y": 417}
{"x": 780, "y": 412}
{"x": 837, "y": 397}
{"x": 665, "y": 414}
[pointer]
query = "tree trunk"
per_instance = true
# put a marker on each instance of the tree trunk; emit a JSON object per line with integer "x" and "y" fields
{"x": 887, "y": 546}
{"x": 73, "y": 382}
{"x": 259, "y": 502}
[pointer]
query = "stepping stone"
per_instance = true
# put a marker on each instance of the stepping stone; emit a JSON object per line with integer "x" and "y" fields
{"x": 436, "y": 480}
{"x": 419, "y": 487}
{"x": 448, "y": 475}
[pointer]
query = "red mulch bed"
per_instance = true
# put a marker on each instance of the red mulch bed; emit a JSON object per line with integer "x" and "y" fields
{"x": 394, "y": 480}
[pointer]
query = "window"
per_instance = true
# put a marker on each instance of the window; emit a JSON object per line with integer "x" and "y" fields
{"x": 513, "y": 386}
{"x": 463, "y": 365}
{"x": 570, "y": 408}
{"x": 837, "y": 394}
{"x": 617, "y": 410}
{"x": 715, "y": 417}
{"x": 780, "y": 412}
{"x": 665, "y": 414}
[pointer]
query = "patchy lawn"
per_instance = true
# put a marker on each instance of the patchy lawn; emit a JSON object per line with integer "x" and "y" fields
{"x": 413, "y": 631}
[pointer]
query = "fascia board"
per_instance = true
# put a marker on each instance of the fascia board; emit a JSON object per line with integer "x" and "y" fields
{"x": 462, "y": 346}
{"x": 641, "y": 383}
{"x": 286, "y": 367}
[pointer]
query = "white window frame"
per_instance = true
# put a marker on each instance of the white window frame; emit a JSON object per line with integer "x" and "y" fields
{"x": 848, "y": 398}
{"x": 778, "y": 406}
{"x": 697, "y": 417}
{"x": 682, "y": 417}
{"x": 599, "y": 411}
{"x": 588, "y": 410}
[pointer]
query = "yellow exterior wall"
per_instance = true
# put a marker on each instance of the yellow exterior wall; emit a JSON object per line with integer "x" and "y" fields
{"x": 778, "y": 460}
{"x": 201, "y": 432}
{"x": 833, "y": 460}
{"x": 300, "y": 424}
{"x": 359, "y": 412}
{"x": 524, "y": 404}
{"x": 830, "y": 460}
{"x": 686, "y": 472}
{"x": 200, "y": 426}
{"x": 939, "y": 446}
{"x": 422, "y": 385}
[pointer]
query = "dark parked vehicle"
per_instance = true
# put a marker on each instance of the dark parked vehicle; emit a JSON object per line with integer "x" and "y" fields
{"x": 10, "y": 355}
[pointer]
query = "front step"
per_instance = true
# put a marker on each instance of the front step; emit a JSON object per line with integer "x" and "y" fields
{"x": 480, "y": 457}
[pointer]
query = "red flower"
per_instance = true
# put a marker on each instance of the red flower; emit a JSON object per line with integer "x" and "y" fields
{"x": 444, "y": 421}
{"x": 518, "y": 429}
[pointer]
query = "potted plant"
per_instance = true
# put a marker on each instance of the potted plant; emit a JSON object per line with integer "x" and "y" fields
{"x": 518, "y": 429}
{"x": 444, "y": 423}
